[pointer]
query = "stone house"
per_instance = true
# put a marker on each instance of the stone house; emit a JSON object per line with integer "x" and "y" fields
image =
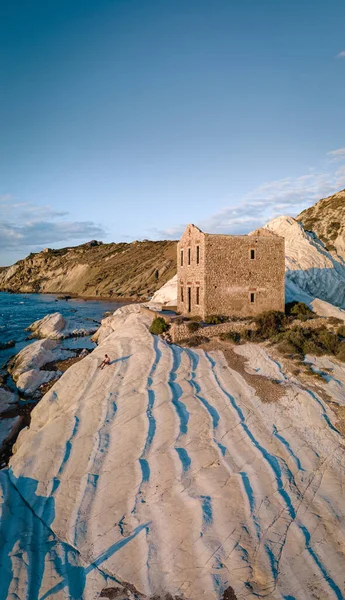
{"x": 232, "y": 275}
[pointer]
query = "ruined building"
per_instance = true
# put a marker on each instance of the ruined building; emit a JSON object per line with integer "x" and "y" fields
{"x": 233, "y": 275}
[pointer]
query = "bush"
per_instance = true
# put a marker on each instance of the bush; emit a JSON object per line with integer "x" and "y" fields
{"x": 270, "y": 323}
{"x": 341, "y": 331}
{"x": 341, "y": 352}
{"x": 178, "y": 320}
{"x": 327, "y": 340}
{"x": 158, "y": 326}
{"x": 196, "y": 318}
{"x": 299, "y": 310}
{"x": 334, "y": 321}
{"x": 193, "y": 326}
{"x": 216, "y": 319}
{"x": 195, "y": 340}
{"x": 231, "y": 336}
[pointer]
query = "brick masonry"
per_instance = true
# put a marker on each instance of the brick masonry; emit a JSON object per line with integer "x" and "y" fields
{"x": 230, "y": 275}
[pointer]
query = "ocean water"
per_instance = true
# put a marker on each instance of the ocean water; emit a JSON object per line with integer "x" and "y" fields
{"x": 18, "y": 311}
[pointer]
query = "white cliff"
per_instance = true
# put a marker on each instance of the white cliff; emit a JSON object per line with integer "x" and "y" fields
{"x": 308, "y": 264}
{"x": 165, "y": 473}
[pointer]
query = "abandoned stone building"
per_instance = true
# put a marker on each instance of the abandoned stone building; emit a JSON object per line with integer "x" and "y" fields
{"x": 232, "y": 275}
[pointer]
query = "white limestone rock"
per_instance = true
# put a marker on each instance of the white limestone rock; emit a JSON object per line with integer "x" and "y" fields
{"x": 308, "y": 264}
{"x": 167, "y": 294}
{"x": 57, "y": 327}
{"x": 8, "y": 400}
{"x": 27, "y": 364}
{"x": 29, "y": 382}
{"x": 165, "y": 473}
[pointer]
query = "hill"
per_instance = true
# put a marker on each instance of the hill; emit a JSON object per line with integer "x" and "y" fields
{"x": 327, "y": 219}
{"x": 125, "y": 270}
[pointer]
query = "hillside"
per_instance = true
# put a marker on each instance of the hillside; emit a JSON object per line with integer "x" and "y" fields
{"x": 123, "y": 270}
{"x": 327, "y": 219}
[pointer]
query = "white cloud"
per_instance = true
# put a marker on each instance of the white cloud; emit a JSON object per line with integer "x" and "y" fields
{"x": 25, "y": 228}
{"x": 289, "y": 196}
{"x": 341, "y": 54}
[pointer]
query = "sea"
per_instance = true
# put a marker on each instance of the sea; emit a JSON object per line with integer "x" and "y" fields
{"x": 18, "y": 311}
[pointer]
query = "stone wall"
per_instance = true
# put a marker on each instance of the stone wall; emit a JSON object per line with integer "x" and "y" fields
{"x": 181, "y": 332}
{"x": 235, "y": 275}
{"x": 232, "y": 276}
{"x": 191, "y": 275}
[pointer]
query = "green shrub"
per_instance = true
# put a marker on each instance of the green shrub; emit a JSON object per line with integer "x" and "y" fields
{"x": 341, "y": 331}
{"x": 158, "y": 326}
{"x": 195, "y": 340}
{"x": 178, "y": 320}
{"x": 231, "y": 336}
{"x": 341, "y": 352}
{"x": 216, "y": 319}
{"x": 270, "y": 323}
{"x": 193, "y": 326}
{"x": 335, "y": 321}
{"x": 196, "y": 318}
{"x": 285, "y": 347}
{"x": 299, "y": 310}
{"x": 327, "y": 340}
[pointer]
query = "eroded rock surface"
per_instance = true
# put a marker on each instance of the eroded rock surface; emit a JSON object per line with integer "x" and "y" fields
{"x": 166, "y": 476}
{"x": 56, "y": 327}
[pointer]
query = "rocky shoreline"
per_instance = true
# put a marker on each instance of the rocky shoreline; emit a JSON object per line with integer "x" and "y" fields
{"x": 32, "y": 372}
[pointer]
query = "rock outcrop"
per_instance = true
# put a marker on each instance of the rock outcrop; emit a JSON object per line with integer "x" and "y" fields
{"x": 120, "y": 270}
{"x": 308, "y": 264}
{"x": 26, "y": 367}
{"x": 327, "y": 219}
{"x": 165, "y": 473}
{"x": 57, "y": 327}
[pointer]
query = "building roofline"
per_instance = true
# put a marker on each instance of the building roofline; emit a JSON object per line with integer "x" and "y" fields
{"x": 260, "y": 232}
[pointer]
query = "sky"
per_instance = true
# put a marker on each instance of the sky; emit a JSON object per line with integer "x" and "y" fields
{"x": 128, "y": 119}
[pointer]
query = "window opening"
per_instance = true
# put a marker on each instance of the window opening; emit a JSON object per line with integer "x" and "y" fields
{"x": 252, "y": 254}
{"x": 197, "y": 255}
{"x": 252, "y": 297}
{"x": 182, "y": 300}
{"x": 197, "y": 301}
{"x": 181, "y": 258}
{"x": 189, "y": 256}
{"x": 189, "y": 299}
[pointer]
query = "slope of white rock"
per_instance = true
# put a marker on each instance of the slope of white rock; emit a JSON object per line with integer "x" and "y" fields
{"x": 165, "y": 473}
{"x": 26, "y": 367}
{"x": 167, "y": 294}
{"x": 57, "y": 327}
{"x": 308, "y": 264}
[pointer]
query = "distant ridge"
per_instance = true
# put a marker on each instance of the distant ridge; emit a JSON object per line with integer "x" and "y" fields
{"x": 134, "y": 270}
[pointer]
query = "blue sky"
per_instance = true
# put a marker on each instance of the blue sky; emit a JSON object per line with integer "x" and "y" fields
{"x": 127, "y": 119}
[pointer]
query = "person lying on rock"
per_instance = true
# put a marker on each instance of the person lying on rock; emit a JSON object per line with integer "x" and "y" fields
{"x": 106, "y": 361}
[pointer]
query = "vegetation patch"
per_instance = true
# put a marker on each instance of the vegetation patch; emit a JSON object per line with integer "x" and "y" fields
{"x": 158, "y": 326}
{"x": 216, "y": 319}
{"x": 275, "y": 326}
{"x": 195, "y": 340}
{"x": 299, "y": 310}
{"x": 193, "y": 326}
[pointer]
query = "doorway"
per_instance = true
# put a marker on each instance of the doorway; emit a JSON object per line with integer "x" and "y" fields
{"x": 189, "y": 299}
